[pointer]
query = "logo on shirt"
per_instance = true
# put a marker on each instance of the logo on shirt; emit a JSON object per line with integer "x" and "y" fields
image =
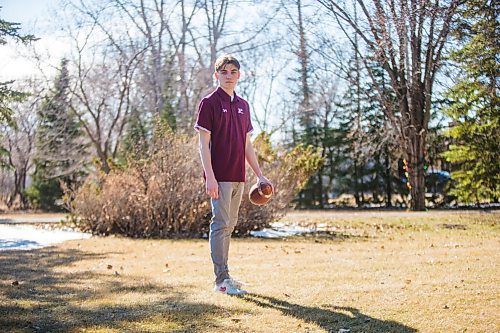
{"x": 224, "y": 110}
{"x": 240, "y": 110}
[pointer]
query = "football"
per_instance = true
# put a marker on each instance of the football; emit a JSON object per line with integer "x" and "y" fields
{"x": 260, "y": 193}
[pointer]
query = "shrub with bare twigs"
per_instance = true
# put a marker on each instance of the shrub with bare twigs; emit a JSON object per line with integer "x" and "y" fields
{"x": 288, "y": 170}
{"x": 163, "y": 195}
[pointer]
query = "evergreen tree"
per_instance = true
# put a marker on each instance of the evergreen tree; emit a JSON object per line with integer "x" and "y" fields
{"x": 135, "y": 143}
{"x": 60, "y": 149}
{"x": 167, "y": 114}
{"x": 10, "y": 29}
{"x": 353, "y": 124}
{"x": 7, "y": 94}
{"x": 370, "y": 139}
{"x": 307, "y": 130}
{"x": 474, "y": 107}
{"x": 381, "y": 138}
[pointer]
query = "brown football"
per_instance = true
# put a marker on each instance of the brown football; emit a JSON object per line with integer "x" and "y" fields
{"x": 260, "y": 193}
{"x": 266, "y": 189}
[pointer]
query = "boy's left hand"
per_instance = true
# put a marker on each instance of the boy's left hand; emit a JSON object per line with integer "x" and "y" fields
{"x": 263, "y": 179}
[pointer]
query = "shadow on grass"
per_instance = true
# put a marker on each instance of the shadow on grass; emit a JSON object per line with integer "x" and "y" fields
{"x": 36, "y": 295}
{"x": 330, "y": 318}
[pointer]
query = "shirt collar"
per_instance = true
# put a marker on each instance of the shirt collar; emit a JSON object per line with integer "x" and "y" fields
{"x": 225, "y": 97}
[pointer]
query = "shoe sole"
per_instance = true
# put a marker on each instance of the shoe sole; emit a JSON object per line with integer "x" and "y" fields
{"x": 231, "y": 294}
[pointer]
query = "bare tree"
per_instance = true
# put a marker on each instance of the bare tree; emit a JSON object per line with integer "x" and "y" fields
{"x": 18, "y": 143}
{"x": 298, "y": 45}
{"x": 406, "y": 37}
{"x": 258, "y": 84}
{"x": 100, "y": 92}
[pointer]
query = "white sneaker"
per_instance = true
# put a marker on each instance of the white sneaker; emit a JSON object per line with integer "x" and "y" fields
{"x": 228, "y": 287}
{"x": 237, "y": 284}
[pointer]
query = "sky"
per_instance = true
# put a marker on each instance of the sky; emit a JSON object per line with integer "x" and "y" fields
{"x": 34, "y": 17}
{"x": 24, "y": 11}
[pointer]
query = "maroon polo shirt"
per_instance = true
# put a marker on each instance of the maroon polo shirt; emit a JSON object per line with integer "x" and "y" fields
{"x": 228, "y": 124}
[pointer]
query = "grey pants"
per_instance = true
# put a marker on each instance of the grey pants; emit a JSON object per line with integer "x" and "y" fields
{"x": 224, "y": 218}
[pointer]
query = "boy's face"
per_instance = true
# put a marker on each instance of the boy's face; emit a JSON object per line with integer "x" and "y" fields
{"x": 228, "y": 76}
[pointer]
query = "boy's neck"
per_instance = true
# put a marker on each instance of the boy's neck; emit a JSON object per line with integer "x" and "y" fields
{"x": 230, "y": 92}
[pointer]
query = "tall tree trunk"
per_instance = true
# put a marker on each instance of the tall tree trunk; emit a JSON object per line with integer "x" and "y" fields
{"x": 184, "y": 99}
{"x": 356, "y": 184}
{"x": 304, "y": 72}
{"x": 388, "y": 180}
{"x": 417, "y": 175}
{"x": 19, "y": 187}
{"x": 320, "y": 189}
{"x": 16, "y": 191}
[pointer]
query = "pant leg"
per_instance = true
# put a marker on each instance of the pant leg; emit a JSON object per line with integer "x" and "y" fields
{"x": 220, "y": 232}
{"x": 234, "y": 207}
{"x": 224, "y": 219}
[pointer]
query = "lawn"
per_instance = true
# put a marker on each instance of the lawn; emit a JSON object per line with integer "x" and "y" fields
{"x": 361, "y": 272}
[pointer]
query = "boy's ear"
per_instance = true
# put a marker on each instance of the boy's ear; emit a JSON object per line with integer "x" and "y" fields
{"x": 216, "y": 75}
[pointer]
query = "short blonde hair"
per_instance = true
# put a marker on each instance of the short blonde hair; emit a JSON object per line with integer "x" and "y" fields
{"x": 225, "y": 60}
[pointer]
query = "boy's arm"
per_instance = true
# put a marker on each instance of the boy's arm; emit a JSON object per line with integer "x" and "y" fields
{"x": 251, "y": 158}
{"x": 211, "y": 186}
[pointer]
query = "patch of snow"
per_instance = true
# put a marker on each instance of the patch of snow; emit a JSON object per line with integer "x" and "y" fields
{"x": 27, "y": 219}
{"x": 23, "y": 237}
{"x": 280, "y": 230}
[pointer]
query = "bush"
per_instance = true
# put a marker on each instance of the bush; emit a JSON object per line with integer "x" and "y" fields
{"x": 44, "y": 194}
{"x": 288, "y": 170}
{"x": 163, "y": 195}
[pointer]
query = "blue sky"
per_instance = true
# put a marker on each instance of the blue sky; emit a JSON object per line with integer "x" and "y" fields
{"x": 25, "y": 12}
{"x": 34, "y": 17}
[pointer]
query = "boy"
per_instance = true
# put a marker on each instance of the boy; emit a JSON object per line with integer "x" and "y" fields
{"x": 224, "y": 126}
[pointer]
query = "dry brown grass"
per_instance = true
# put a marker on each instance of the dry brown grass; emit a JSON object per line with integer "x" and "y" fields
{"x": 424, "y": 272}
